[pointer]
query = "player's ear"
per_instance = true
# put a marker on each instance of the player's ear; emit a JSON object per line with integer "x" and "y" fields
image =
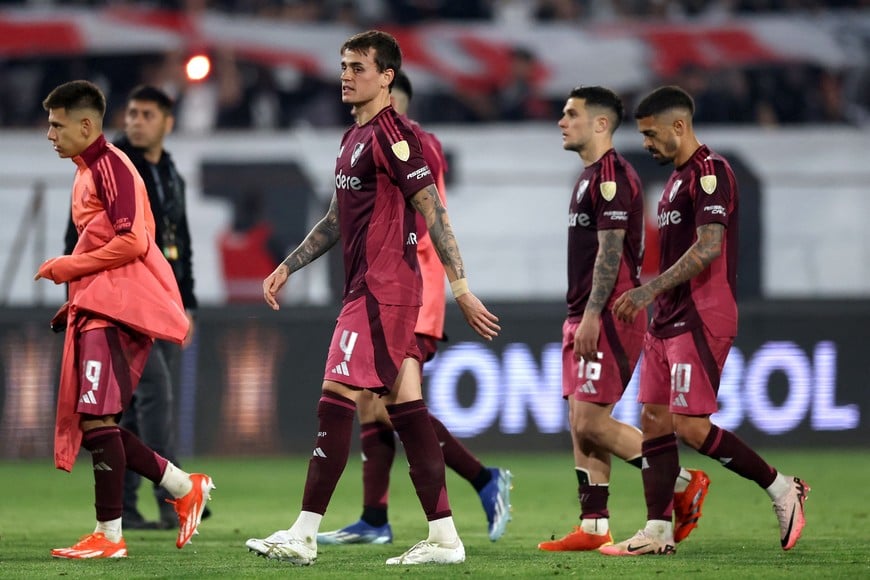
{"x": 389, "y": 75}
{"x": 86, "y": 126}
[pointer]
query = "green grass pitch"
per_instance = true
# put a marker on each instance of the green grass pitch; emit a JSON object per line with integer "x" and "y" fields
{"x": 738, "y": 536}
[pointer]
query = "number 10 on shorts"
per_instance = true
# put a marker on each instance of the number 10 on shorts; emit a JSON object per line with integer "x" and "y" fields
{"x": 590, "y": 370}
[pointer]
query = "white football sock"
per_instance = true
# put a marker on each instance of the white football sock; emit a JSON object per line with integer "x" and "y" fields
{"x": 443, "y": 531}
{"x": 780, "y": 486}
{"x": 683, "y": 480}
{"x": 662, "y": 530}
{"x": 176, "y": 481}
{"x": 111, "y": 529}
{"x": 306, "y": 526}
{"x": 596, "y": 526}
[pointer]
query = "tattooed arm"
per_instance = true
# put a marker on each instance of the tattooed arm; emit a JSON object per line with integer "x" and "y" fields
{"x": 706, "y": 248}
{"x": 428, "y": 203}
{"x": 319, "y": 240}
{"x": 604, "y": 273}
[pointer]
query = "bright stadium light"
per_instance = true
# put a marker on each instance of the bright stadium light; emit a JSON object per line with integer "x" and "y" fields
{"x": 198, "y": 67}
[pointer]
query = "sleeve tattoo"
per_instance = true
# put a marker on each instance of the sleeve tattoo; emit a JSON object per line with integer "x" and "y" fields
{"x": 428, "y": 203}
{"x": 706, "y": 248}
{"x": 606, "y": 268}
{"x": 319, "y": 240}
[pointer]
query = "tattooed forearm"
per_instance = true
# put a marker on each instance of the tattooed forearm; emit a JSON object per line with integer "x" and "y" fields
{"x": 706, "y": 248}
{"x": 319, "y": 240}
{"x": 606, "y": 268}
{"x": 428, "y": 203}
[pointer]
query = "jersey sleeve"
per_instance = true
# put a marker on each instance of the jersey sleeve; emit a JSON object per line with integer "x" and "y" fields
{"x": 713, "y": 190}
{"x": 433, "y": 155}
{"x": 614, "y": 195}
{"x": 116, "y": 188}
{"x": 403, "y": 154}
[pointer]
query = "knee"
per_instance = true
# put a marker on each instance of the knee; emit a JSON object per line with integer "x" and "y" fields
{"x": 587, "y": 429}
{"x": 365, "y": 407}
{"x": 91, "y": 422}
{"x": 692, "y": 431}
{"x": 590, "y": 423}
{"x": 656, "y": 421}
{"x": 351, "y": 393}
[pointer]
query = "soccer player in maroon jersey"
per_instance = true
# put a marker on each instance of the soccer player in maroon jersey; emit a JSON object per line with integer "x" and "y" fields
{"x": 599, "y": 353}
{"x": 122, "y": 295}
{"x": 693, "y": 327}
{"x": 377, "y": 440}
{"x": 381, "y": 182}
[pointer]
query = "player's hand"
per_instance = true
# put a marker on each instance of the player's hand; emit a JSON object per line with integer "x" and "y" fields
{"x": 586, "y": 338}
{"x": 631, "y": 302}
{"x": 484, "y": 322}
{"x": 58, "y": 270}
{"x": 273, "y": 284}
{"x": 59, "y": 320}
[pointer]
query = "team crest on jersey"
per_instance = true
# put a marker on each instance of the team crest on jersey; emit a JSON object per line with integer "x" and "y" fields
{"x": 401, "y": 150}
{"x": 581, "y": 189}
{"x": 674, "y": 188}
{"x": 708, "y": 184}
{"x": 608, "y": 190}
{"x": 357, "y": 151}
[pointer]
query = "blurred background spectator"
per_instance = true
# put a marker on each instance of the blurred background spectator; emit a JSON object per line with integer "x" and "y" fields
{"x": 250, "y": 90}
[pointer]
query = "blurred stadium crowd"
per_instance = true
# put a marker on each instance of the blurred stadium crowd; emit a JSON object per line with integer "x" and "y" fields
{"x": 251, "y": 95}
{"x": 378, "y": 12}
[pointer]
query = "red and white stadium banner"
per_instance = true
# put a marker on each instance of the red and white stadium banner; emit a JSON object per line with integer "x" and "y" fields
{"x": 621, "y": 55}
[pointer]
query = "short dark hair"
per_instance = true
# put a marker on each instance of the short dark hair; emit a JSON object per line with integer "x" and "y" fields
{"x": 403, "y": 83}
{"x": 76, "y": 95}
{"x": 152, "y": 94}
{"x": 664, "y": 99}
{"x": 387, "y": 51}
{"x": 603, "y": 97}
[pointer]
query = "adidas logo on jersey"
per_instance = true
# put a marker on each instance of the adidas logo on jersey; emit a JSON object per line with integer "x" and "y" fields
{"x": 588, "y": 388}
{"x": 680, "y": 401}
{"x": 341, "y": 369}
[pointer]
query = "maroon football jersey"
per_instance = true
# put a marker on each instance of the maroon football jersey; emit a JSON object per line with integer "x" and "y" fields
{"x": 701, "y": 191}
{"x": 608, "y": 195}
{"x": 380, "y": 166}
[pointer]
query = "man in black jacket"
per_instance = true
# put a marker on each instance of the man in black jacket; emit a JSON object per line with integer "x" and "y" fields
{"x": 147, "y": 121}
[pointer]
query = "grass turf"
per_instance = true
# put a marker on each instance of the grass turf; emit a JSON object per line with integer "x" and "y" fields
{"x": 737, "y": 537}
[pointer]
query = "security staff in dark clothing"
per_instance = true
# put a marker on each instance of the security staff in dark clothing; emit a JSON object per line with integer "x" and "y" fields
{"x": 147, "y": 121}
